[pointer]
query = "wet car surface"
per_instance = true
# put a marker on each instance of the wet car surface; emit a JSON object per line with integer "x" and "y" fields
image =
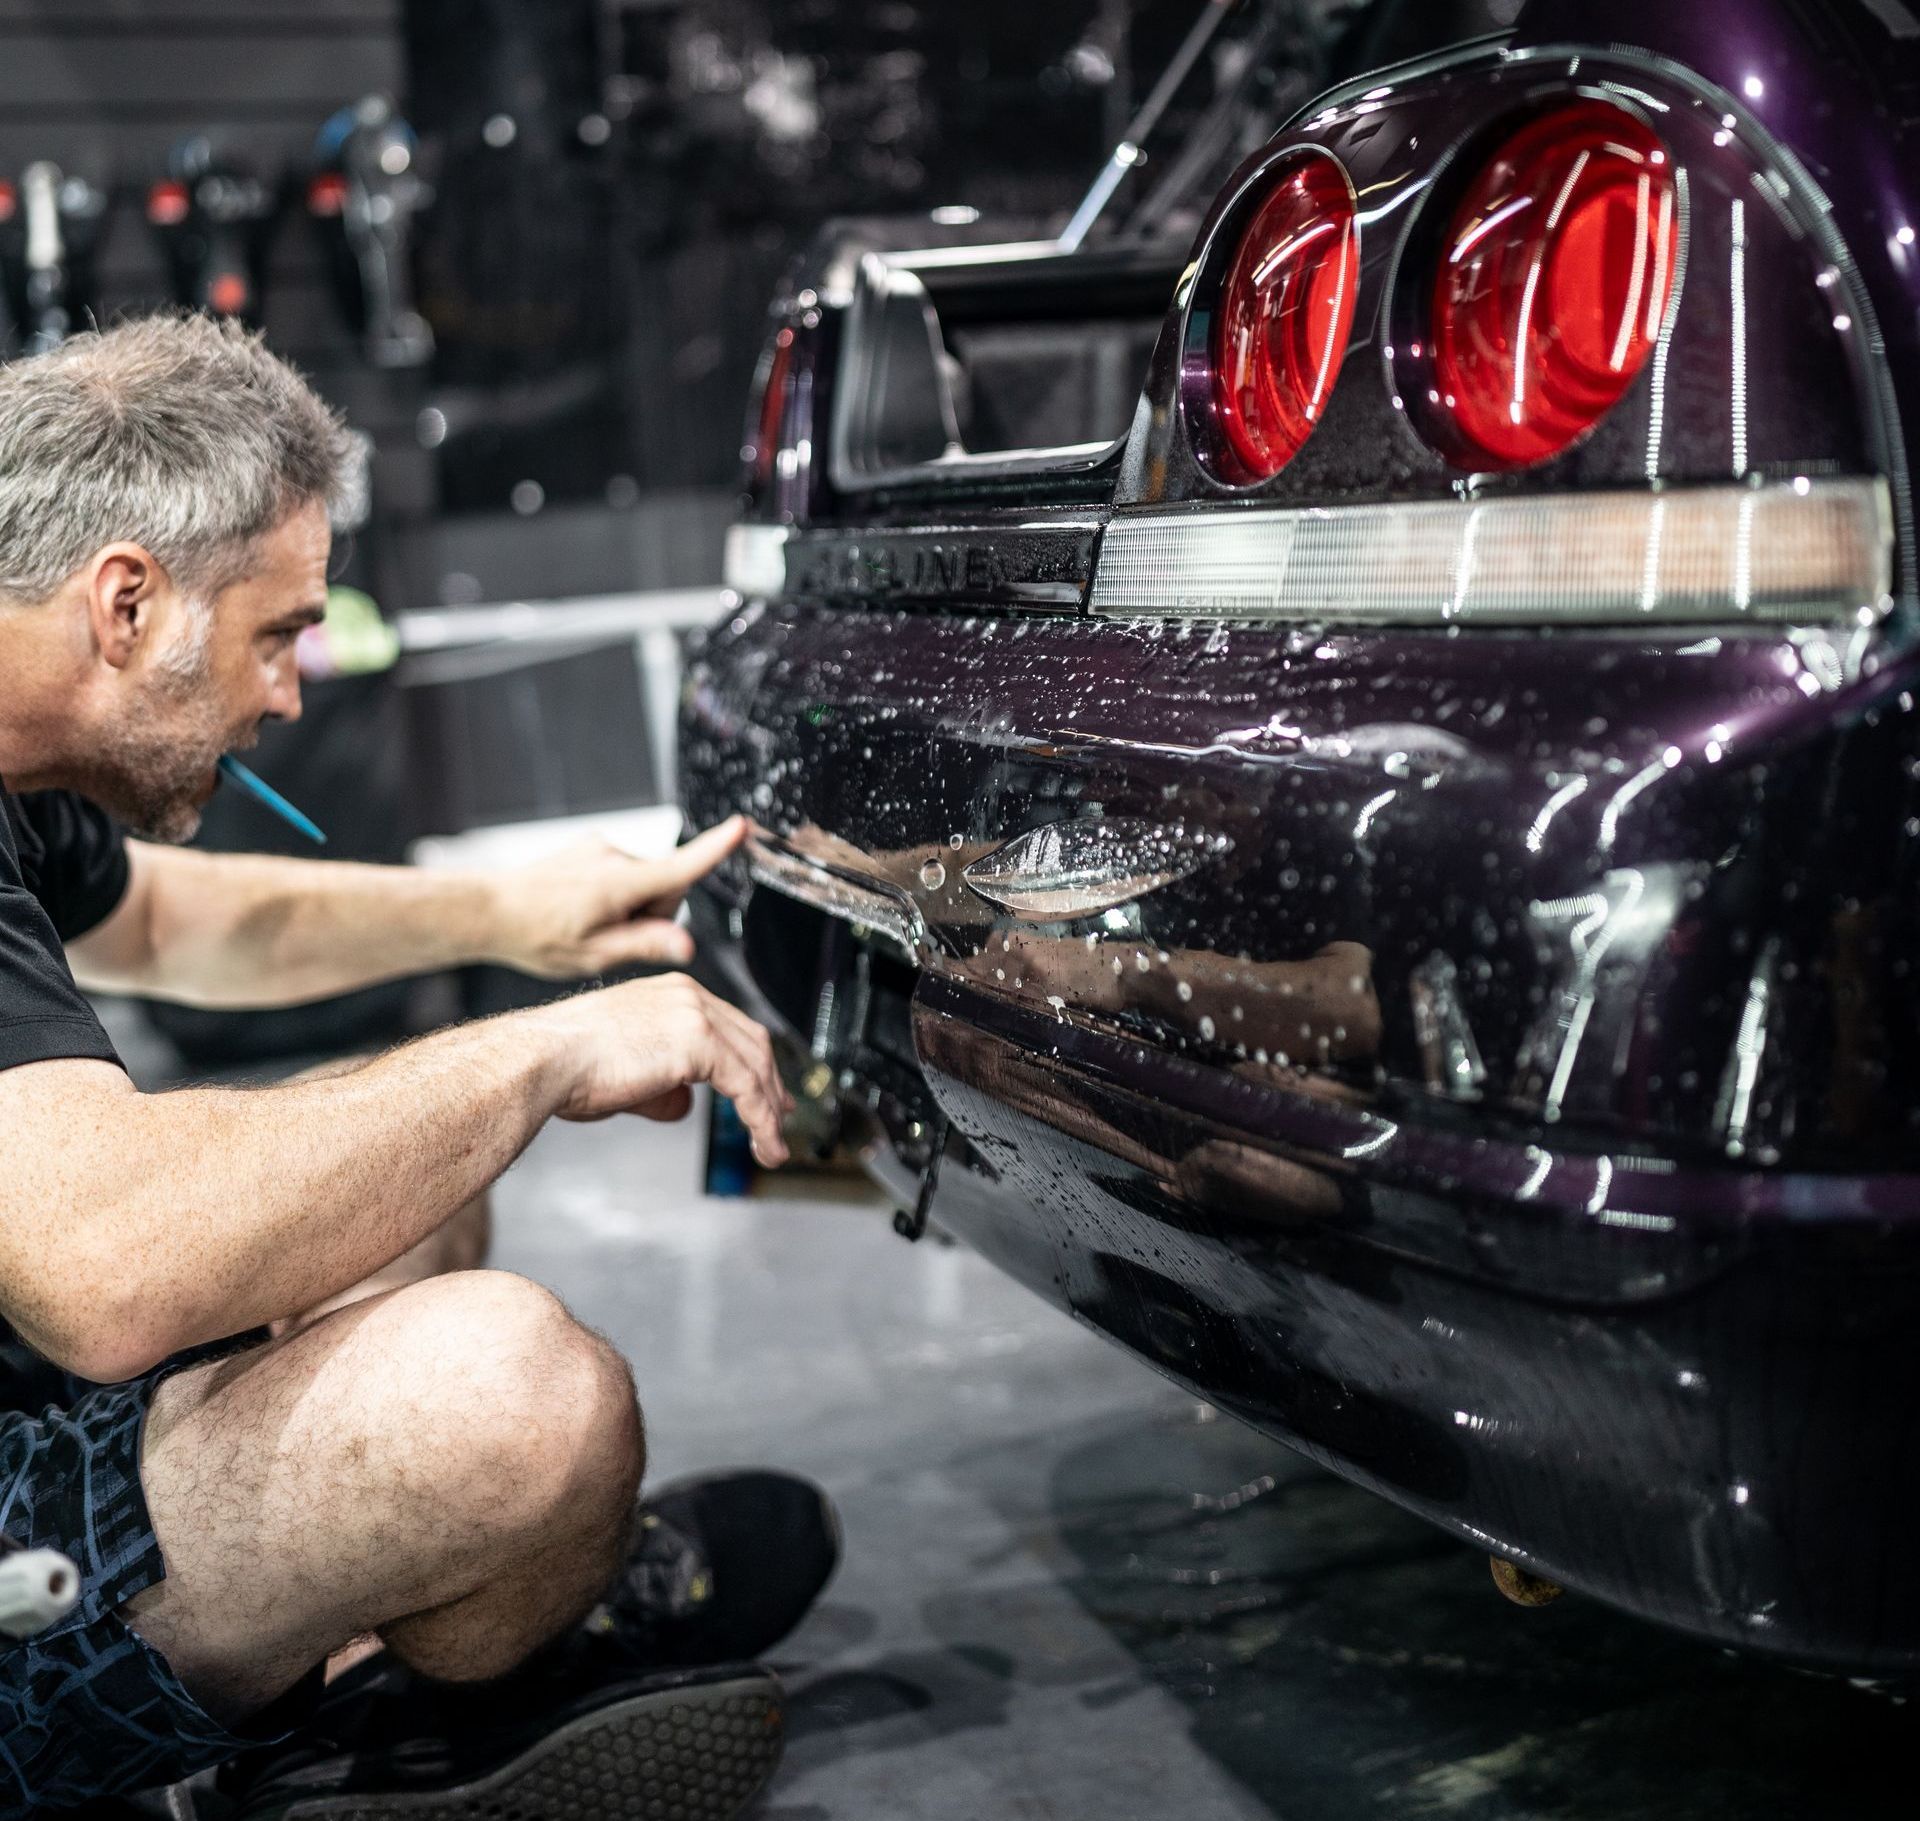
{"x": 1419, "y": 954}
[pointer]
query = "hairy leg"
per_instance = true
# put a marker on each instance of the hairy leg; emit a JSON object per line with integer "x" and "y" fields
{"x": 450, "y": 1465}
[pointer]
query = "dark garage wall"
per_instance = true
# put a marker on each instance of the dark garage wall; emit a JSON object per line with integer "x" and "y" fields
{"x": 104, "y": 88}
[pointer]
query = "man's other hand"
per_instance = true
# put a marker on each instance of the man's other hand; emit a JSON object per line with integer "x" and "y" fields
{"x": 590, "y": 908}
{"x": 642, "y": 1047}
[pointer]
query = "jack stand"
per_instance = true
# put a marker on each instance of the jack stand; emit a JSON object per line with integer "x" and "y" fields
{"x": 912, "y": 1226}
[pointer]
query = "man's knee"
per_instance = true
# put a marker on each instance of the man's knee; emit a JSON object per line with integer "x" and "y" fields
{"x": 532, "y": 1416}
{"x": 462, "y": 1440}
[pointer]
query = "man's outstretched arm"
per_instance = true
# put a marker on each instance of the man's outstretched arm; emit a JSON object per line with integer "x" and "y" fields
{"x": 133, "y": 1225}
{"x": 237, "y": 930}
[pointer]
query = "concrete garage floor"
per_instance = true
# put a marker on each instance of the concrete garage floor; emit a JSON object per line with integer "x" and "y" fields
{"x": 1071, "y": 1591}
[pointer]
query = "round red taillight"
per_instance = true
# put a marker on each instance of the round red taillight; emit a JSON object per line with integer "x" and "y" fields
{"x": 1285, "y": 311}
{"x": 1553, "y": 283}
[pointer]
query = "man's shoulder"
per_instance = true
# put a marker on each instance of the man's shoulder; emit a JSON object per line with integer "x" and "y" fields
{"x": 67, "y": 853}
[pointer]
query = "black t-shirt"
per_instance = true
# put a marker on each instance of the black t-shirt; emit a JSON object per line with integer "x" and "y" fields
{"x": 63, "y": 869}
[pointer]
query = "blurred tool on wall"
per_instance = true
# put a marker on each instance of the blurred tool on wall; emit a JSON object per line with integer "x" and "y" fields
{"x": 51, "y": 225}
{"x": 365, "y": 194}
{"x": 215, "y": 217}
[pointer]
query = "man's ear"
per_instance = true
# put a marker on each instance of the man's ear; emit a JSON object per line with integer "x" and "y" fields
{"x": 124, "y": 583}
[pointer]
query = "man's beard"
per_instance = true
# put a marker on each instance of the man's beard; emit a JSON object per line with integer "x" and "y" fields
{"x": 150, "y": 772}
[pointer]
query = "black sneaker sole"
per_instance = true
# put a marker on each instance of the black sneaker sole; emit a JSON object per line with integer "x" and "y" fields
{"x": 702, "y": 1753}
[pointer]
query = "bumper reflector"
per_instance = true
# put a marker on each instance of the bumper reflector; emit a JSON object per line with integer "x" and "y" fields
{"x": 1787, "y": 550}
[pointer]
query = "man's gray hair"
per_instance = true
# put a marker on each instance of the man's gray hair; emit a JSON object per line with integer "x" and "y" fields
{"x": 177, "y": 433}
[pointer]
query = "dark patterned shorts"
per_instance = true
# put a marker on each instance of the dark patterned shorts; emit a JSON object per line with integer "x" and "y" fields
{"x": 87, "y": 1708}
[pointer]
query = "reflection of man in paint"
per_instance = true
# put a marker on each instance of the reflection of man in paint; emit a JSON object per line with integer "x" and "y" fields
{"x": 1273, "y": 1019}
{"x": 1286, "y": 1022}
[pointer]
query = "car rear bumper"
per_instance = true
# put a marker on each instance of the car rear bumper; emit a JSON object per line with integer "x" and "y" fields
{"x": 1583, "y": 1257}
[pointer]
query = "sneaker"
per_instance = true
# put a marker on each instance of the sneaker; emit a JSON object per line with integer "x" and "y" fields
{"x": 599, "y": 1742}
{"x": 722, "y": 1568}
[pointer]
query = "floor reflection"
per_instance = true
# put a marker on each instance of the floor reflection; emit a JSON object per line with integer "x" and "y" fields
{"x": 1339, "y": 1658}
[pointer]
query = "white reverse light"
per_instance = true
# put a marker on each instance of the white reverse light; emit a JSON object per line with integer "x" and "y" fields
{"x": 756, "y": 560}
{"x": 1722, "y": 554}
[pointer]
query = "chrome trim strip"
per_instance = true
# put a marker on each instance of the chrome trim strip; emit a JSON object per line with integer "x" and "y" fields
{"x": 861, "y": 905}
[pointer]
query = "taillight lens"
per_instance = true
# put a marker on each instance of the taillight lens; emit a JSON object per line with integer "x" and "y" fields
{"x": 1285, "y": 312}
{"x": 1553, "y": 282}
{"x": 770, "y": 418}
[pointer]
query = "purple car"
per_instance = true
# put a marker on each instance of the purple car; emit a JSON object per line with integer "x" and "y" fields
{"x": 1336, "y": 775}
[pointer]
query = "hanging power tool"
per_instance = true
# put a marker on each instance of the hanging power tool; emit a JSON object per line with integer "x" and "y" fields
{"x": 215, "y": 219}
{"x": 365, "y": 193}
{"x": 50, "y": 229}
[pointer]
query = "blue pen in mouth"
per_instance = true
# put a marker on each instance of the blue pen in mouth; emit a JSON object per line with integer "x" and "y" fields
{"x": 258, "y": 787}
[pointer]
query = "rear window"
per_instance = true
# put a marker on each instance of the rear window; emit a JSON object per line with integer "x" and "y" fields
{"x": 1259, "y": 69}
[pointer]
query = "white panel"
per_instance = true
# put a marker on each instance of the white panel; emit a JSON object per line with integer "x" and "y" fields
{"x": 1789, "y": 550}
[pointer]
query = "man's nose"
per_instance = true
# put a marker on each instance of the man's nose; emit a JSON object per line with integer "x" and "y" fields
{"x": 283, "y": 701}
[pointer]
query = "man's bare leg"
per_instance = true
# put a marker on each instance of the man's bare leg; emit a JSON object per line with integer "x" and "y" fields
{"x": 464, "y": 1243}
{"x": 451, "y": 1465}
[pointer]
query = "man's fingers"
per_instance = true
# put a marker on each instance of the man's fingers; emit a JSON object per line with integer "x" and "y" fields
{"x": 669, "y": 876}
{"x": 734, "y": 1070}
{"x": 757, "y": 1095}
{"x": 670, "y": 1106}
{"x": 682, "y": 1034}
{"x": 755, "y": 1049}
{"x": 757, "y": 1115}
{"x": 651, "y": 939}
{"x": 759, "y": 1044}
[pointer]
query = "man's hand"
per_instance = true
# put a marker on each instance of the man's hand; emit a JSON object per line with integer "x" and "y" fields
{"x": 590, "y": 908}
{"x": 640, "y": 1048}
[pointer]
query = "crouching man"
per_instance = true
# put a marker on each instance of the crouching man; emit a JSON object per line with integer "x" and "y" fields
{"x": 450, "y": 1467}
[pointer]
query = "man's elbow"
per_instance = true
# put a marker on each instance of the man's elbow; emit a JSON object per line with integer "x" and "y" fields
{"x": 103, "y": 1340}
{"x": 109, "y": 1359}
